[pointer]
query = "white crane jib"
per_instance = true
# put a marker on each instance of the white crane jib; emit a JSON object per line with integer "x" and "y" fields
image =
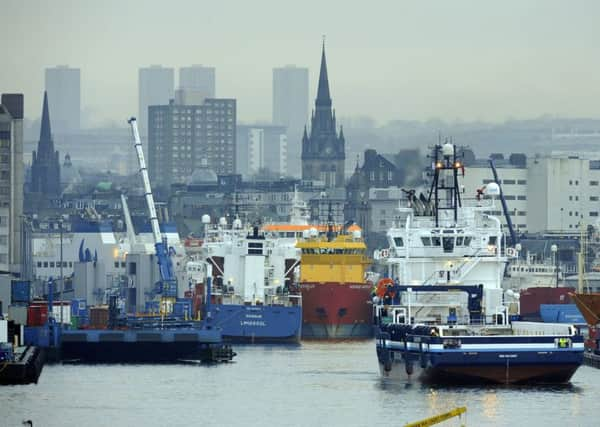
{"x": 146, "y": 181}
{"x": 162, "y": 251}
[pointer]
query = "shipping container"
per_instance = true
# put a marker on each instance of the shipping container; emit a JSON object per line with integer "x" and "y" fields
{"x": 183, "y": 309}
{"x": 98, "y": 317}
{"x": 37, "y": 315}
{"x": 531, "y": 299}
{"x": 561, "y": 313}
{"x": 78, "y": 307}
{"x": 18, "y": 314}
{"x": 20, "y": 291}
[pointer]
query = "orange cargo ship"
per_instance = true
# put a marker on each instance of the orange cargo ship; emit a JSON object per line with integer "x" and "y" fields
{"x": 335, "y": 294}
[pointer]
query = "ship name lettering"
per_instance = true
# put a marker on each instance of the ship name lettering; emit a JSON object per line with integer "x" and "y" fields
{"x": 507, "y": 356}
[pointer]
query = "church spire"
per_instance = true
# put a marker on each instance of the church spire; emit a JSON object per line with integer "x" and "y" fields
{"x": 323, "y": 97}
{"x": 45, "y": 131}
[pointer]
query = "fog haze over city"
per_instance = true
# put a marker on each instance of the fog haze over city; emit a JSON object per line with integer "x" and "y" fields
{"x": 460, "y": 60}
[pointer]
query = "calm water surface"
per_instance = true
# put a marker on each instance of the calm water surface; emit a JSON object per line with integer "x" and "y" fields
{"x": 315, "y": 384}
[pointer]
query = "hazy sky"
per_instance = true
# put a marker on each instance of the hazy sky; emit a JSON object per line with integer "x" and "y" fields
{"x": 387, "y": 59}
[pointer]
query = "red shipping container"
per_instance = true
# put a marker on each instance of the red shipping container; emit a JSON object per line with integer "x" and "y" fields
{"x": 37, "y": 315}
{"x": 532, "y": 298}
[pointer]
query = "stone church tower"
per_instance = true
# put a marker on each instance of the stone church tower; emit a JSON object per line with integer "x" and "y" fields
{"x": 323, "y": 151}
{"x": 45, "y": 167}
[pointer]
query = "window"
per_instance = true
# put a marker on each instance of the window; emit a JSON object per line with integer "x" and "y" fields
{"x": 509, "y": 197}
{"x": 132, "y": 268}
{"x": 593, "y": 198}
{"x": 508, "y": 181}
{"x": 570, "y": 198}
{"x": 594, "y": 164}
{"x": 39, "y": 264}
{"x": 594, "y": 213}
{"x": 594, "y": 183}
{"x": 116, "y": 264}
{"x": 426, "y": 241}
{"x": 398, "y": 241}
{"x": 521, "y": 197}
{"x": 492, "y": 240}
{"x": 521, "y": 213}
{"x": 522, "y": 182}
{"x": 487, "y": 181}
{"x": 576, "y": 182}
{"x": 570, "y": 182}
{"x": 436, "y": 241}
{"x": 51, "y": 264}
{"x": 45, "y": 264}
{"x": 467, "y": 240}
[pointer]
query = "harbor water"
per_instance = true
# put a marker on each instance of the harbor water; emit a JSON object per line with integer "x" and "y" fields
{"x": 313, "y": 384}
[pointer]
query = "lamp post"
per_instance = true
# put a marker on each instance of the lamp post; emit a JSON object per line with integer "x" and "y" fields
{"x": 554, "y": 249}
{"x": 62, "y": 279}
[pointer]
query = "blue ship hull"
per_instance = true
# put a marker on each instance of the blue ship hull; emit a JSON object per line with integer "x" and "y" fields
{"x": 257, "y": 323}
{"x": 406, "y": 354}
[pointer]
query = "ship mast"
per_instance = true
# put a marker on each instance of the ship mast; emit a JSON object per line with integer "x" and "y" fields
{"x": 445, "y": 165}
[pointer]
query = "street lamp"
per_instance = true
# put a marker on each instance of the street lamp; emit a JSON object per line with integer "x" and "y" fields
{"x": 62, "y": 279}
{"x": 554, "y": 249}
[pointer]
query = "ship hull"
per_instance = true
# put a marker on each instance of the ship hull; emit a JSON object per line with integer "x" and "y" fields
{"x": 258, "y": 324}
{"x": 499, "y": 360}
{"x": 589, "y": 306}
{"x": 336, "y": 311}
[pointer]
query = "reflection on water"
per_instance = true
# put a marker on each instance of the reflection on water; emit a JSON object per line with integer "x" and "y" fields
{"x": 320, "y": 384}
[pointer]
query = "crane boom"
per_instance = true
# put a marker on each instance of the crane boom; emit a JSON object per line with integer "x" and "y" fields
{"x": 513, "y": 235}
{"x": 162, "y": 251}
{"x": 145, "y": 181}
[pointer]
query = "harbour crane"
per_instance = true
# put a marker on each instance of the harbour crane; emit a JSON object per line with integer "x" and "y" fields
{"x": 168, "y": 281}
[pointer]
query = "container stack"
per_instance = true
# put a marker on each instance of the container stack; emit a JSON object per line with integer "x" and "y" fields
{"x": 99, "y": 317}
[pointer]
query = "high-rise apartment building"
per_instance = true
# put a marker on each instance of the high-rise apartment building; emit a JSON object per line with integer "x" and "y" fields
{"x": 198, "y": 78}
{"x": 290, "y": 108}
{"x": 63, "y": 85}
{"x": 183, "y": 138}
{"x": 261, "y": 148}
{"x": 11, "y": 181}
{"x": 155, "y": 87}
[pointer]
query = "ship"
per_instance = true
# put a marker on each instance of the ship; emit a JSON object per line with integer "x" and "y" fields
{"x": 335, "y": 292}
{"x": 441, "y": 315}
{"x": 253, "y": 295}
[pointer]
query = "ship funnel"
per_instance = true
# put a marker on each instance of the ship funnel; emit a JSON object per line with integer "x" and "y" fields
{"x": 356, "y": 234}
{"x": 237, "y": 224}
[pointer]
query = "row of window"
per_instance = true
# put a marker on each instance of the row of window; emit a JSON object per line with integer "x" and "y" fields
{"x": 68, "y": 264}
{"x": 319, "y": 251}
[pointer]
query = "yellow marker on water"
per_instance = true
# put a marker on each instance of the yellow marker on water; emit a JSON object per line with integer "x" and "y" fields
{"x": 457, "y": 412}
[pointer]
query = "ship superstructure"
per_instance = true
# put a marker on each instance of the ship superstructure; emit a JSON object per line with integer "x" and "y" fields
{"x": 442, "y": 314}
{"x": 254, "y": 299}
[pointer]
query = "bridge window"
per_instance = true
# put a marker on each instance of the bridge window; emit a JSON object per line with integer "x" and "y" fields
{"x": 436, "y": 241}
{"x": 467, "y": 240}
{"x": 448, "y": 244}
{"x": 459, "y": 241}
{"x": 426, "y": 241}
{"x": 398, "y": 241}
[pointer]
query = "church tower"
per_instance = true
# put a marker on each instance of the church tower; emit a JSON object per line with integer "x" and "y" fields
{"x": 45, "y": 166}
{"x": 323, "y": 151}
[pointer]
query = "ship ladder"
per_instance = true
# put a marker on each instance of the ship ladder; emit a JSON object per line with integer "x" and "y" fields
{"x": 456, "y": 412}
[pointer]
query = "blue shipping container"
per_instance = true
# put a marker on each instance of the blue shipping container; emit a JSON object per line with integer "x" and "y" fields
{"x": 20, "y": 291}
{"x": 182, "y": 309}
{"x": 561, "y": 313}
{"x": 78, "y": 307}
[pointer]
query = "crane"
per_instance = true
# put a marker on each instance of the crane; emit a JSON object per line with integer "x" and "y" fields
{"x": 511, "y": 230}
{"x": 168, "y": 281}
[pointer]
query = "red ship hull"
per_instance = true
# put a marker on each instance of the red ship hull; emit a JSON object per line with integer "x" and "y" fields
{"x": 336, "y": 311}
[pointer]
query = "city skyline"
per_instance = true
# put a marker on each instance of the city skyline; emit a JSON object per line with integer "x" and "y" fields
{"x": 464, "y": 60}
